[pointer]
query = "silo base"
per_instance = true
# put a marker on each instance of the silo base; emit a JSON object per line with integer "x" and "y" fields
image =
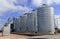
{"x": 52, "y": 33}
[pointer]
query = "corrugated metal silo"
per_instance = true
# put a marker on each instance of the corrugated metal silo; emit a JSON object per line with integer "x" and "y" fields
{"x": 35, "y": 20}
{"x": 23, "y": 27}
{"x": 30, "y": 22}
{"x": 17, "y": 25}
{"x": 45, "y": 16}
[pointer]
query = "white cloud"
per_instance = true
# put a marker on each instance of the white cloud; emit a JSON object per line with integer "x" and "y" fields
{"x": 49, "y": 2}
{"x": 56, "y": 1}
{"x": 21, "y": 2}
{"x": 39, "y": 2}
{"x": 6, "y": 5}
{"x": 36, "y": 2}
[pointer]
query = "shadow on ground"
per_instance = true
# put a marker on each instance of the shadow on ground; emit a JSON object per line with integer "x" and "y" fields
{"x": 38, "y": 38}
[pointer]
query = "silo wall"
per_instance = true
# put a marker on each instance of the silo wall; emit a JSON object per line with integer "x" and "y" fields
{"x": 31, "y": 23}
{"x": 35, "y": 20}
{"x": 17, "y": 25}
{"x": 45, "y": 18}
{"x": 23, "y": 27}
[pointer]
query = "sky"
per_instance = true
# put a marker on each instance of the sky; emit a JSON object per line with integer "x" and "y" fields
{"x": 16, "y": 8}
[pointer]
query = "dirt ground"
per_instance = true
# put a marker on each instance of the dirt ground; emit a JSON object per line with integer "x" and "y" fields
{"x": 16, "y": 36}
{"x": 57, "y": 36}
{"x": 13, "y": 36}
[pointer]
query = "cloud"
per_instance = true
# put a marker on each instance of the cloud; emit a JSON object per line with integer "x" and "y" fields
{"x": 49, "y": 2}
{"x": 40, "y": 2}
{"x": 19, "y": 2}
{"x": 14, "y": 5}
{"x": 6, "y": 5}
{"x": 56, "y": 1}
{"x": 36, "y": 2}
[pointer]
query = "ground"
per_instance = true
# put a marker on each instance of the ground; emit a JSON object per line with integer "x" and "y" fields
{"x": 16, "y": 36}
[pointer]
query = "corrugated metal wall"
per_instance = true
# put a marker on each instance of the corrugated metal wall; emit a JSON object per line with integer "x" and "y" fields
{"x": 30, "y": 22}
{"x": 17, "y": 25}
{"x": 45, "y": 19}
{"x": 35, "y": 20}
{"x": 23, "y": 27}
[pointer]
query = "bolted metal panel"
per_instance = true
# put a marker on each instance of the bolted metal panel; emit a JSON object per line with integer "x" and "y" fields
{"x": 45, "y": 15}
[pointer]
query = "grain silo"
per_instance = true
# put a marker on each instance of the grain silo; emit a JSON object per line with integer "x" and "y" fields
{"x": 23, "y": 27}
{"x": 31, "y": 23}
{"x": 17, "y": 25}
{"x": 45, "y": 18}
{"x": 35, "y": 20}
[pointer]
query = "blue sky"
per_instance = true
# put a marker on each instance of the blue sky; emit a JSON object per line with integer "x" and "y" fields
{"x": 15, "y": 8}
